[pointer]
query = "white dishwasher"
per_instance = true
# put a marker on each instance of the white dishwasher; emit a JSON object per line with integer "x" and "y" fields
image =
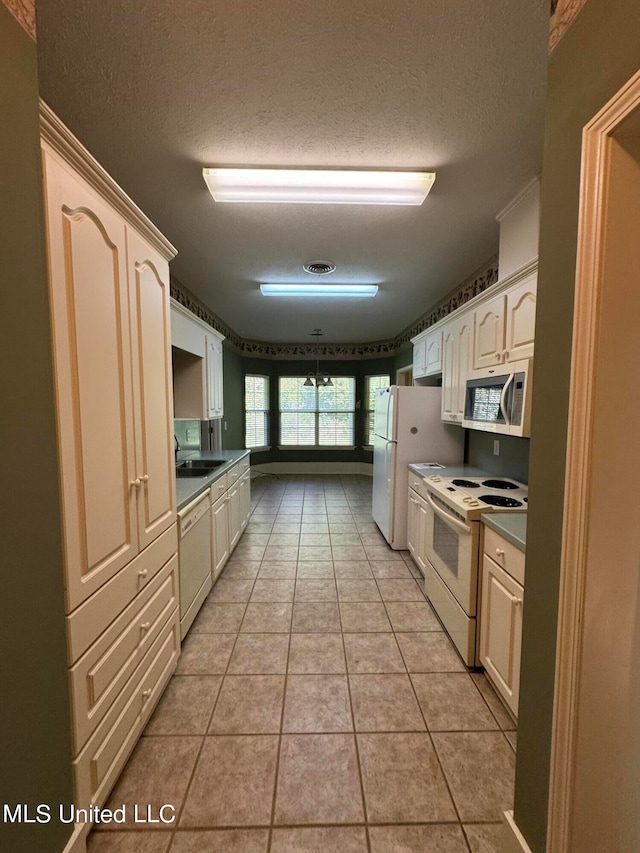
{"x": 194, "y": 554}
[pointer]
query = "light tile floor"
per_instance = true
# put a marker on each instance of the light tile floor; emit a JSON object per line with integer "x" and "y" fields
{"x": 318, "y": 707}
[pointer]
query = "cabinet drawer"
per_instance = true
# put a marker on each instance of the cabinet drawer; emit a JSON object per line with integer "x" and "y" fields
{"x": 102, "y": 759}
{"x": 243, "y": 465}
{"x": 218, "y": 488}
{"x": 506, "y": 555}
{"x": 99, "y": 675}
{"x": 233, "y": 474}
{"x": 94, "y": 616}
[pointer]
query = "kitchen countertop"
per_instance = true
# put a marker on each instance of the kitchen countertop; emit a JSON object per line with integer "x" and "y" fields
{"x": 447, "y": 471}
{"x": 188, "y": 488}
{"x": 512, "y": 526}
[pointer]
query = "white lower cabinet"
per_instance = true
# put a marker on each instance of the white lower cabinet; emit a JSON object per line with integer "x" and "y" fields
{"x": 219, "y": 536}
{"x": 501, "y": 618}
{"x": 99, "y": 764}
{"x": 416, "y": 525}
{"x": 230, "y": 512}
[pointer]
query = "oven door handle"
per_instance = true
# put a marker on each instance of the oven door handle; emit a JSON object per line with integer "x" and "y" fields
{"x": 448, "y": 518}
{"x": 503, "y": 398}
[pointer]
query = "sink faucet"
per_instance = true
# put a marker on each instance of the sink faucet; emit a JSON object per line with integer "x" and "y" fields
{"x": 177, "y": 445}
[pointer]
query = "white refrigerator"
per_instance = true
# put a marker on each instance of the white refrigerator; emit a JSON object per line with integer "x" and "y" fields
{"x": 407, "y": 429}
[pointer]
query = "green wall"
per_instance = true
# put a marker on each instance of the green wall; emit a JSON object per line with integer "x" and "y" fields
{"x": 598, "y": 54}
{"x": 34, "y": 707}
{"x": 236, "y": 367}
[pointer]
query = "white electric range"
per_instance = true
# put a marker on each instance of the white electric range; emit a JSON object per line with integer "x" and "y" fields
{"x": 454, "y": 500}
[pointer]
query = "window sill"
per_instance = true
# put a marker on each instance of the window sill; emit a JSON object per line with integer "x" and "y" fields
{"x": 317, "y": 447}
{"x": 261, "y": 449}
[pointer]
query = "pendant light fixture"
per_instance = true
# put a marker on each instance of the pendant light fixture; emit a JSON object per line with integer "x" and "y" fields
{"x": 320, "y": 380}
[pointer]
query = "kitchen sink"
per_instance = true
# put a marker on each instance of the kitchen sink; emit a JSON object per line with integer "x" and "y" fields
{"x": 209, "y": 464}
{"x": 193, "y": 472}
{"x": 197, "y": 467}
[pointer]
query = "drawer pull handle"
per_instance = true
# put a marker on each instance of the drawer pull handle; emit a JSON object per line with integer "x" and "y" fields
{"x": 144, "y": 478}
{"x": 500, "y": 552}
{"x": 146, "y": 694}
{"x": 143, "y": 573}
{"x": 145, "y": 627}
{"x": 135, "y": 483}
{"x": 516, "y": 601}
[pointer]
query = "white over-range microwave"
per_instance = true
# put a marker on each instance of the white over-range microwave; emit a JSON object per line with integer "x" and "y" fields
{"x": 498, "y": 399}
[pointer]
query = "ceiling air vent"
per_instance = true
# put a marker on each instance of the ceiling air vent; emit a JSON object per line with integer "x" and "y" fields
{"x": 319, "y": 268}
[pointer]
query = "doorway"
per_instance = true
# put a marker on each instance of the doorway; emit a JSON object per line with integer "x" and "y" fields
{"x": 595, "y": 775}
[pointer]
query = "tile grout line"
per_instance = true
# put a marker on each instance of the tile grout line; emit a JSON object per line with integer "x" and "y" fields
{"x": 279, "y": 752}
{"x": 428, "y": 732}
{"x": 206, "y": 734}
{"x": 355, "y": 737}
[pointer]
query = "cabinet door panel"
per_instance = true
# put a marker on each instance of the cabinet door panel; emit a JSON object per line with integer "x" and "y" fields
{"x": 155, "y": 463}
{"x": 92, "y": 358}
{"x": 419, "y": 355}
{"x": 433, "y": 353}
{"x": 501, "y": 630}
{"x": 521, "y": 320}
{"x": 489, "y": 333}
{"x": 464, "y": 365}
{"x": 235, "y": 521}
{"x": 245, "y": 499}
{"x": 449, "y": 373}
{"x": 215, "y": 407}
{"x": 219, "y": 535}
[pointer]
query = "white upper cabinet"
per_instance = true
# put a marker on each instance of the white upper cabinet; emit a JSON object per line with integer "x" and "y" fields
{"x": 521, "y": 319}
{"x": 213, "y": 363}
{"x": 109, "y": 305}
{"x": 427, "y": 354}
{"x": 198, "y": 385}
{"x": 419, "y": 362}
{"x": 457, "y": 361}
{"x": 489, "y": 332}
{"x": 433, "y": 353}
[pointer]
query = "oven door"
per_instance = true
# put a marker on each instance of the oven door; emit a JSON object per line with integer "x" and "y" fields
{"x": 451, "y": 546}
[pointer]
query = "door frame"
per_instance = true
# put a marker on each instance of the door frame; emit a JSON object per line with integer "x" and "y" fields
{"x": 581, "y": 461}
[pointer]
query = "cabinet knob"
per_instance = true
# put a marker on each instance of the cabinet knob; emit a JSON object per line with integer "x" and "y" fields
{"x": 146, "y": 694}
{"x": 144, "y": 478}
{"x": 499, "y": 552}
{"x": 145, "y": 626}
{"x": 143, "y": 573}
{"x": 498, "y": 355}
{"x": 136, "y": 483}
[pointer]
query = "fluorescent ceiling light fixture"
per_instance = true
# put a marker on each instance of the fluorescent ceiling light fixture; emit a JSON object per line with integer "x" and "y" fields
{"x": 319, "y": 290}
{"x": 316, "y": 186}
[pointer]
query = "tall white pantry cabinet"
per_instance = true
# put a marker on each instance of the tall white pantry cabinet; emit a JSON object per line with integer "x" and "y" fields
{"x": 109, "y": 295}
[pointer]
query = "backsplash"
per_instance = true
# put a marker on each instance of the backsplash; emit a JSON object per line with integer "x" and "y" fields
{"x": 188, "y": 433}
{"x": 513, "y": 460}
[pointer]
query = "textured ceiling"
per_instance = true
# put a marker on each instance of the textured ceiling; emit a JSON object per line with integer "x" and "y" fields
{"x": 157, "y": 89}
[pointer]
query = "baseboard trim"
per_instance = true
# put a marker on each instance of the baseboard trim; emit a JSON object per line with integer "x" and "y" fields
{"x": 513, "y": 840}
{"x": 78, "y": 841}
{"x": 314, "y": 468}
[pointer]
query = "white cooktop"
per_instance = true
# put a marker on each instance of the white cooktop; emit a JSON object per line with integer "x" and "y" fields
{"x": 472, "y": 494}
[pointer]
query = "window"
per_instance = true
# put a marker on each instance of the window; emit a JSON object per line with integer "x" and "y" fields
{"x": 256, "y": 411}
{"x": 372, "y": 385}
{"x": 317, "y": 417}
